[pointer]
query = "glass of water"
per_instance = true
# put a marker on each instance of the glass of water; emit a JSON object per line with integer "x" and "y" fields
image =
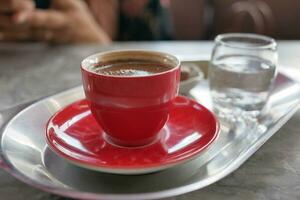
{"x": 241, "y": 73}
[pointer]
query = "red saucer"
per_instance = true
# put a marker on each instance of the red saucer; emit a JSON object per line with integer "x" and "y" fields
{"x": 74, "y": 134}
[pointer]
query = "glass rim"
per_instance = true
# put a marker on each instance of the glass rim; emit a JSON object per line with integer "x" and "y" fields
{"x": 270, "y": 42}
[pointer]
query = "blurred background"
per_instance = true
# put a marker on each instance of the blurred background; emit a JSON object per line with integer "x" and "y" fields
{"x": 204, "y": 19}
{"x": 104, "y": 21}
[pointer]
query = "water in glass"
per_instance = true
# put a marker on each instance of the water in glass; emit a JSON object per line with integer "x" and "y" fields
{"x": 240, "y": 83}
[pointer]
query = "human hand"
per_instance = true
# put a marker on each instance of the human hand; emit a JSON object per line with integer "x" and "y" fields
{"x": 12, "y": 15}
{"x": 67, "y": 21}
{"x": 14, "y": 11}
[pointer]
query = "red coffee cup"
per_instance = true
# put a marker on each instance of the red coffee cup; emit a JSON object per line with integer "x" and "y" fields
{"x": 131, "y": 109}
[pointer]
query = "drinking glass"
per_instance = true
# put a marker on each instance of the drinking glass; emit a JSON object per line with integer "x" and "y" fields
{"x": 241, "y": 73}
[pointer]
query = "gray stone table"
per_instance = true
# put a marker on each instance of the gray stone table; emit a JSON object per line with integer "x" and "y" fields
{"x": 28, "y": 71}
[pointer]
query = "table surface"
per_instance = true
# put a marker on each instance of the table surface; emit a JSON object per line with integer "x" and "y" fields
{"x": 28, "y": 71}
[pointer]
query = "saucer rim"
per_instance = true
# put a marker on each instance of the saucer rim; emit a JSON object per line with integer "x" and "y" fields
{"x": 143, "y": 169}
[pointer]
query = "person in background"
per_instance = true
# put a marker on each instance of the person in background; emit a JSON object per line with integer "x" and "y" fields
{"x": 161, "y": 20}
{"x": 67, "y": 21}
{"x": 100, "y": 21}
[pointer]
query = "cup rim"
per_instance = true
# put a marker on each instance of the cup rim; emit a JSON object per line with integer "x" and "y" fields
{"x": 163, "y": 54}
{"x": 271, "y": 43}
